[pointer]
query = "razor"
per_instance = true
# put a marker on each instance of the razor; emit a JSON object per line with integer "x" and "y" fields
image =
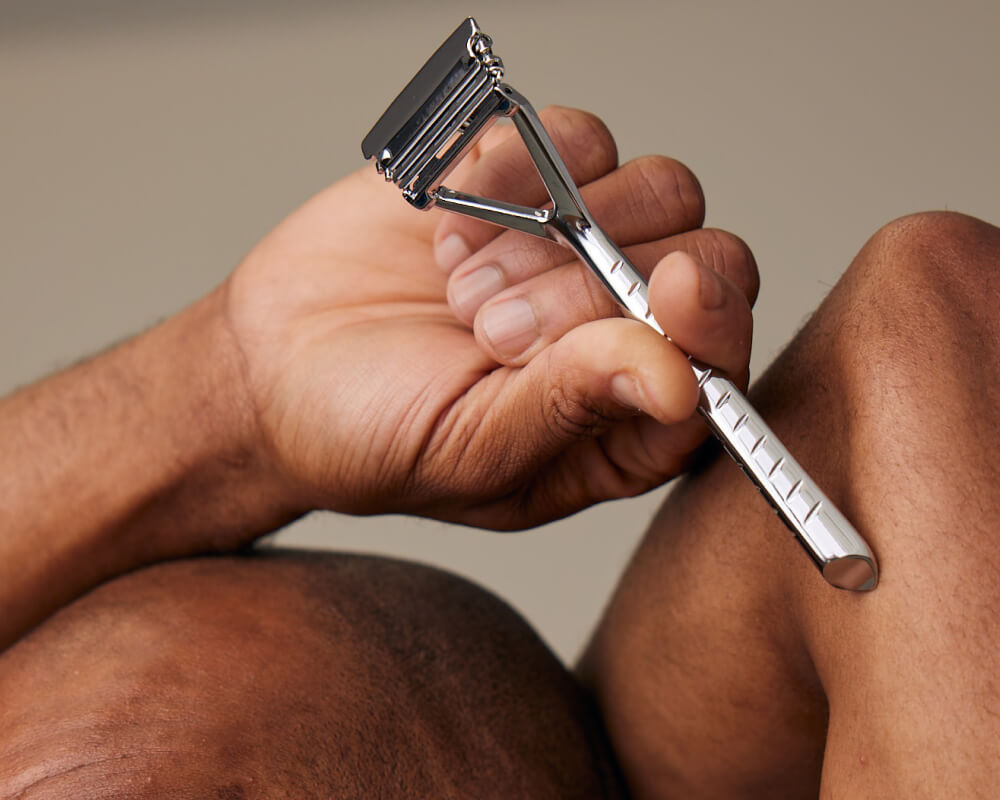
{"x": 424, "y": 133}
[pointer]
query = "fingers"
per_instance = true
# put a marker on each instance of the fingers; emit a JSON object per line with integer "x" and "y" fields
{"x": 595, "y": 375}
{"x": 719, "y": 250}
{"x": 647, "y": 199}
{"x": 506, "y": 172}
{"x": 561, "y": 408}
{"x": 705, "y": 314}
{"x": 650, "y": 451}
{"x": 520, "y": 322}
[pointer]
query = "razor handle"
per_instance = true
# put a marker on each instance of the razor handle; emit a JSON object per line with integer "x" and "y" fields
{"x": 829, "y": 539}
{"x": 455, "y": 96}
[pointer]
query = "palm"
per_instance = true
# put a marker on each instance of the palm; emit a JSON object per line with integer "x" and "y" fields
{"x": 353, "y": 352}
{"x": 372, "y": 396}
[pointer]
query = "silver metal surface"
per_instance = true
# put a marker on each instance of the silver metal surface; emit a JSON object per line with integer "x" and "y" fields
{"x": 454, "y": 119}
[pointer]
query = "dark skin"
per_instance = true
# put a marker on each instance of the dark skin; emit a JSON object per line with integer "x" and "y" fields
{"x": 724, "y": 666}
{"x": 293, "y": 675}
{"x": 258, "y": 403}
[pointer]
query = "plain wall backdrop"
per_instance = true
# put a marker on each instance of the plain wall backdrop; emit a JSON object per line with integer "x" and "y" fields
{"x": 145, "y": 147}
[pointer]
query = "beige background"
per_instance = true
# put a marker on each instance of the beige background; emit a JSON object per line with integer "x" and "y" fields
{"x": 145, "y": 146}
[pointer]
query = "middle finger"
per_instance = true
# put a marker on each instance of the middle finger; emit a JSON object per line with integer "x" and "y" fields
{"x": 646, "y": 199}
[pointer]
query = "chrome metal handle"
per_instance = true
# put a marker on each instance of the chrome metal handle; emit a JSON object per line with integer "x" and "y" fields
{"x": 833, "y": 544}
{"x": 830, "y": 540}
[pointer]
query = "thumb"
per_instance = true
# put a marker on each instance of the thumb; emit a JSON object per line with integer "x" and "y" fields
{"x": 596, "y": 375}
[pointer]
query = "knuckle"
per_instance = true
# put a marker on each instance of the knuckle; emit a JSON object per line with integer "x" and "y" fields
{"x": 524, "y": 256}
{"x": 597, "y": 301}
{"x": 585, "y": 138}
{"x": 731, "y": 257}
{"x": 571, "y": 414}
{"x": 650, "y": 464}
{"x": 507, "y": 176}
{"x": 670, "y": 188}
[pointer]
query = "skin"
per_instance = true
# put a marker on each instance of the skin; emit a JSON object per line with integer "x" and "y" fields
{"x": 293, "y": 675}
{"x": 726, "y": 668}
{"x": 256, "y": 405}
{"x": 302, "y": 676}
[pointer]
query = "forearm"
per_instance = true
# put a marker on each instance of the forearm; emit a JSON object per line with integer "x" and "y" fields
{"x": 141, "y": 454}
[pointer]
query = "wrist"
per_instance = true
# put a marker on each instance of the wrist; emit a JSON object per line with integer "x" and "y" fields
{"x": 222, "y": 487}
{"x": 144, "y": 453}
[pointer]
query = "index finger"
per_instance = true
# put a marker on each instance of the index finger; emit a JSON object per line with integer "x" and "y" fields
{"x": 506, "y": 172}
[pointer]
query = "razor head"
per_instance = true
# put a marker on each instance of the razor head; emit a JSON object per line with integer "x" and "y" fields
{"x": 440, "y": 114}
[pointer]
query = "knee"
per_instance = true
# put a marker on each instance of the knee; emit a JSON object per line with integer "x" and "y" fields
{"x": 922, "y": 291}
{"x": 933, "y": 261}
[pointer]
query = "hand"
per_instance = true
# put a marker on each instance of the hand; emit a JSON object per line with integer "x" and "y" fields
{"x": 501, "y": 387}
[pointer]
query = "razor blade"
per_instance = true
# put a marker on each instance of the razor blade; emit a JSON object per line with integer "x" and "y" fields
{"x": 434, "y": 121}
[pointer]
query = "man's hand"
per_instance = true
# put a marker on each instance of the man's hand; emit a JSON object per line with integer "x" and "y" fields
{"x": 506, "y": 394}
{"x": 369, "y": 358}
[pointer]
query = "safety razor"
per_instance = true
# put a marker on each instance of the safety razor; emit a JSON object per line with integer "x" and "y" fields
{"x": 443, "y": 110}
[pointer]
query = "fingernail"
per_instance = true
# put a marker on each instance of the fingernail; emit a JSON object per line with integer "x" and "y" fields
{"x": 626, "y": 391}
{"x": 470, "y": 291}
{"x": 451, "y": 251}
{"x": 711, "y": 292}
{"x": 510, "y": 326}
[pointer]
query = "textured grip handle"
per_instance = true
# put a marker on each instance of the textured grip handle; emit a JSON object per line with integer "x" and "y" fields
{"x": 836, "y": 548}
{"x": 829, "y": 539}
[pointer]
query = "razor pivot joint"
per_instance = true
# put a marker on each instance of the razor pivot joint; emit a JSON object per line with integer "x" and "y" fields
{"x": 434, "y": 121}
{"x": 440, "y": 114}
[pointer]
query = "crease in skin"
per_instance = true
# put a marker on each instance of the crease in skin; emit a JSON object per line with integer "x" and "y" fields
{"x": 25, "y": 790}
{"x": 364, "y": 312}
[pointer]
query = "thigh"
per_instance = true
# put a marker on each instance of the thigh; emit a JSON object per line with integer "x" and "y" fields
{"x": 293, "y": 675}
{"x": 726, "y": 666}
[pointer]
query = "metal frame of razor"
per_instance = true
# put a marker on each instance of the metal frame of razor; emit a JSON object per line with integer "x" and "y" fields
{"x": 434, "y": 121}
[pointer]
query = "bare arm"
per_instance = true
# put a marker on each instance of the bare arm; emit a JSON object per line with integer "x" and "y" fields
{"x": 341, "y": 367}
{"x": 105, "y": 463}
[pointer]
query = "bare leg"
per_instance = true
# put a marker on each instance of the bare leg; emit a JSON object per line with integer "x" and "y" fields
{"x": 725, "y": 666}
{"x": 292, "y": 676}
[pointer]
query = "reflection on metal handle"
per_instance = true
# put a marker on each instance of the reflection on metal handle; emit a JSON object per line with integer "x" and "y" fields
{"x": 454, "y": 98}
{"x": 832, "y": 543}
{"x": 830, "y": 540}
{"x": 827, "y": 536}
